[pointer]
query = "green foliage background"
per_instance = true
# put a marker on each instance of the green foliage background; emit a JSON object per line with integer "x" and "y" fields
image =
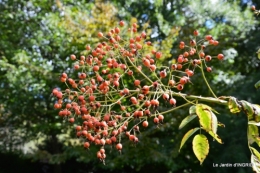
{"x": 36, "y": 39}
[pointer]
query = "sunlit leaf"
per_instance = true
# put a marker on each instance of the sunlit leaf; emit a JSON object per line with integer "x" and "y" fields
{"x": 253, "y": 134}
{"x": 255, "y": 159}
{"x": 187, "y": 135}
{"x": 254, "y": 123}
{"x": 248, "y": 108}
{"x": 200, "y": 146}
{"x": 187, "y": 120}
{"x": 256, "y": 112}
{"x": 214, "y": 123}
{"x": 192, "y": 110}
{"x": 216, "y": 137}
{"x": 221, "y": 124}
{"x": 233, "y": 105}
{"x": 207, "y": 118}
{"x": 257, "y": 84}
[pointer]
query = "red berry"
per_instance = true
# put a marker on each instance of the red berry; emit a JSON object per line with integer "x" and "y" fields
{"x": 208, "y": 37}
{"x": 158, "y": 55}
{"x": 208, "y": 58}
{"x": 183, "y": 80}
{"x": 100, "y": 34}
{"x": 156, "y": 120}
{"x": 171, "y": 83}
{"x": 202, "y": 54}
{"x": 147, "y": 103}
{"x": 91, "y": 98}
{"x": 86, "y": 144}
{"x": 253, "y": 7}
{"x": 134, "y": 25}
{"x": 76, "y": 66}
{"x": 88, "y": 47}
{"x": 121, "y": 23}
{"x": 155, "y": 102}
{"x": 117, "y": 30}
{"x": 72, "y": 57}
{"x": 195, "y": 32}
{"x": 215, "y": 43}
{"x": 189, "y": 72}
{"x": 163, "y": 74}
{"x": 119, "y": 146}
{"x": 180, "y": 87}
{"x": 96, "y": 68}
{"x": 166, "y": 96}
{"x": 172, "y": 101}
{"x": 137, "y": 82}
{"x": 71, "y": 120}
{"x": 180, "y": 59}
{"x": 160, "y": 117}
{"x": 179, "y": 66}
{"x": 146, "y": 62}
{"x": 132, "y": 137}
{"x": 152, "y": 67}
{"x": 220, "y": 56}
{"x": 78, "y": 128}
{"x": 145, "y": 123}
{"x": 209, "y": 69}
{"x": 192, "y": 42}
{"x": 113, "y": 139}
{"x": 126, "y": 91}
{"x": 116, "y": 83}
{"x": 133, "y": 100}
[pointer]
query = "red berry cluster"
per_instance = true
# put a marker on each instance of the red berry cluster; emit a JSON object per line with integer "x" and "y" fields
{"x": 120, "y": 86}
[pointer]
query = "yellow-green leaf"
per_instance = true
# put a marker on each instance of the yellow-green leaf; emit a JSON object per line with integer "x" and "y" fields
{"x": 254, "y": 123}
{"x": 214, "y": 123}
{"x": 206, "y": 107}
{"x": 200, "y": 146}
{"x": 257, "y": 84}
{"x": 215, "y": 136}
{"x": 248, "y": 108}
{"x": 255, "y": 152}
{"x": 192, "y": 110}
{"x": 253, "y": 134}
{"x": 221, "y": 124}
{"x": 256, "y": 112}
{"x": 187, "y": 120}
{"x": 207, "y": 118}
{"x": 233, "y": 106}
{"x": 204, "y": 117}
{"x": 255, "y": 159}
{"x": 187, "y": 135}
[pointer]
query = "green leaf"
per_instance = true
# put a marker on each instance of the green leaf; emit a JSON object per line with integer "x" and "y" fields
{"x": 257, "y": 84}
{"x": 256, "y": 112}
{"x": 214, "y": 123}
{"x": 253, "y": 134}
{"x": 187, "y": 135}
{"x": 192, "y": 110}
{"x": 200, "y": 146}
{"x": 187, "y": 120}
{"x": 208, "y": 108}
{"x": 255, "y": 159}
{"x": 254, "y": 123}
{"x": 207, "y": 119}
{"x": 248, "y": 108}
{"x": 221, "y": 124}
{"x": 233, "y": 105}
{"x": 215, "y": 136}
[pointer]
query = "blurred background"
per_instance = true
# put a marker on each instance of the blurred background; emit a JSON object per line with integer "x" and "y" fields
{"x": 36, "y": 40}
